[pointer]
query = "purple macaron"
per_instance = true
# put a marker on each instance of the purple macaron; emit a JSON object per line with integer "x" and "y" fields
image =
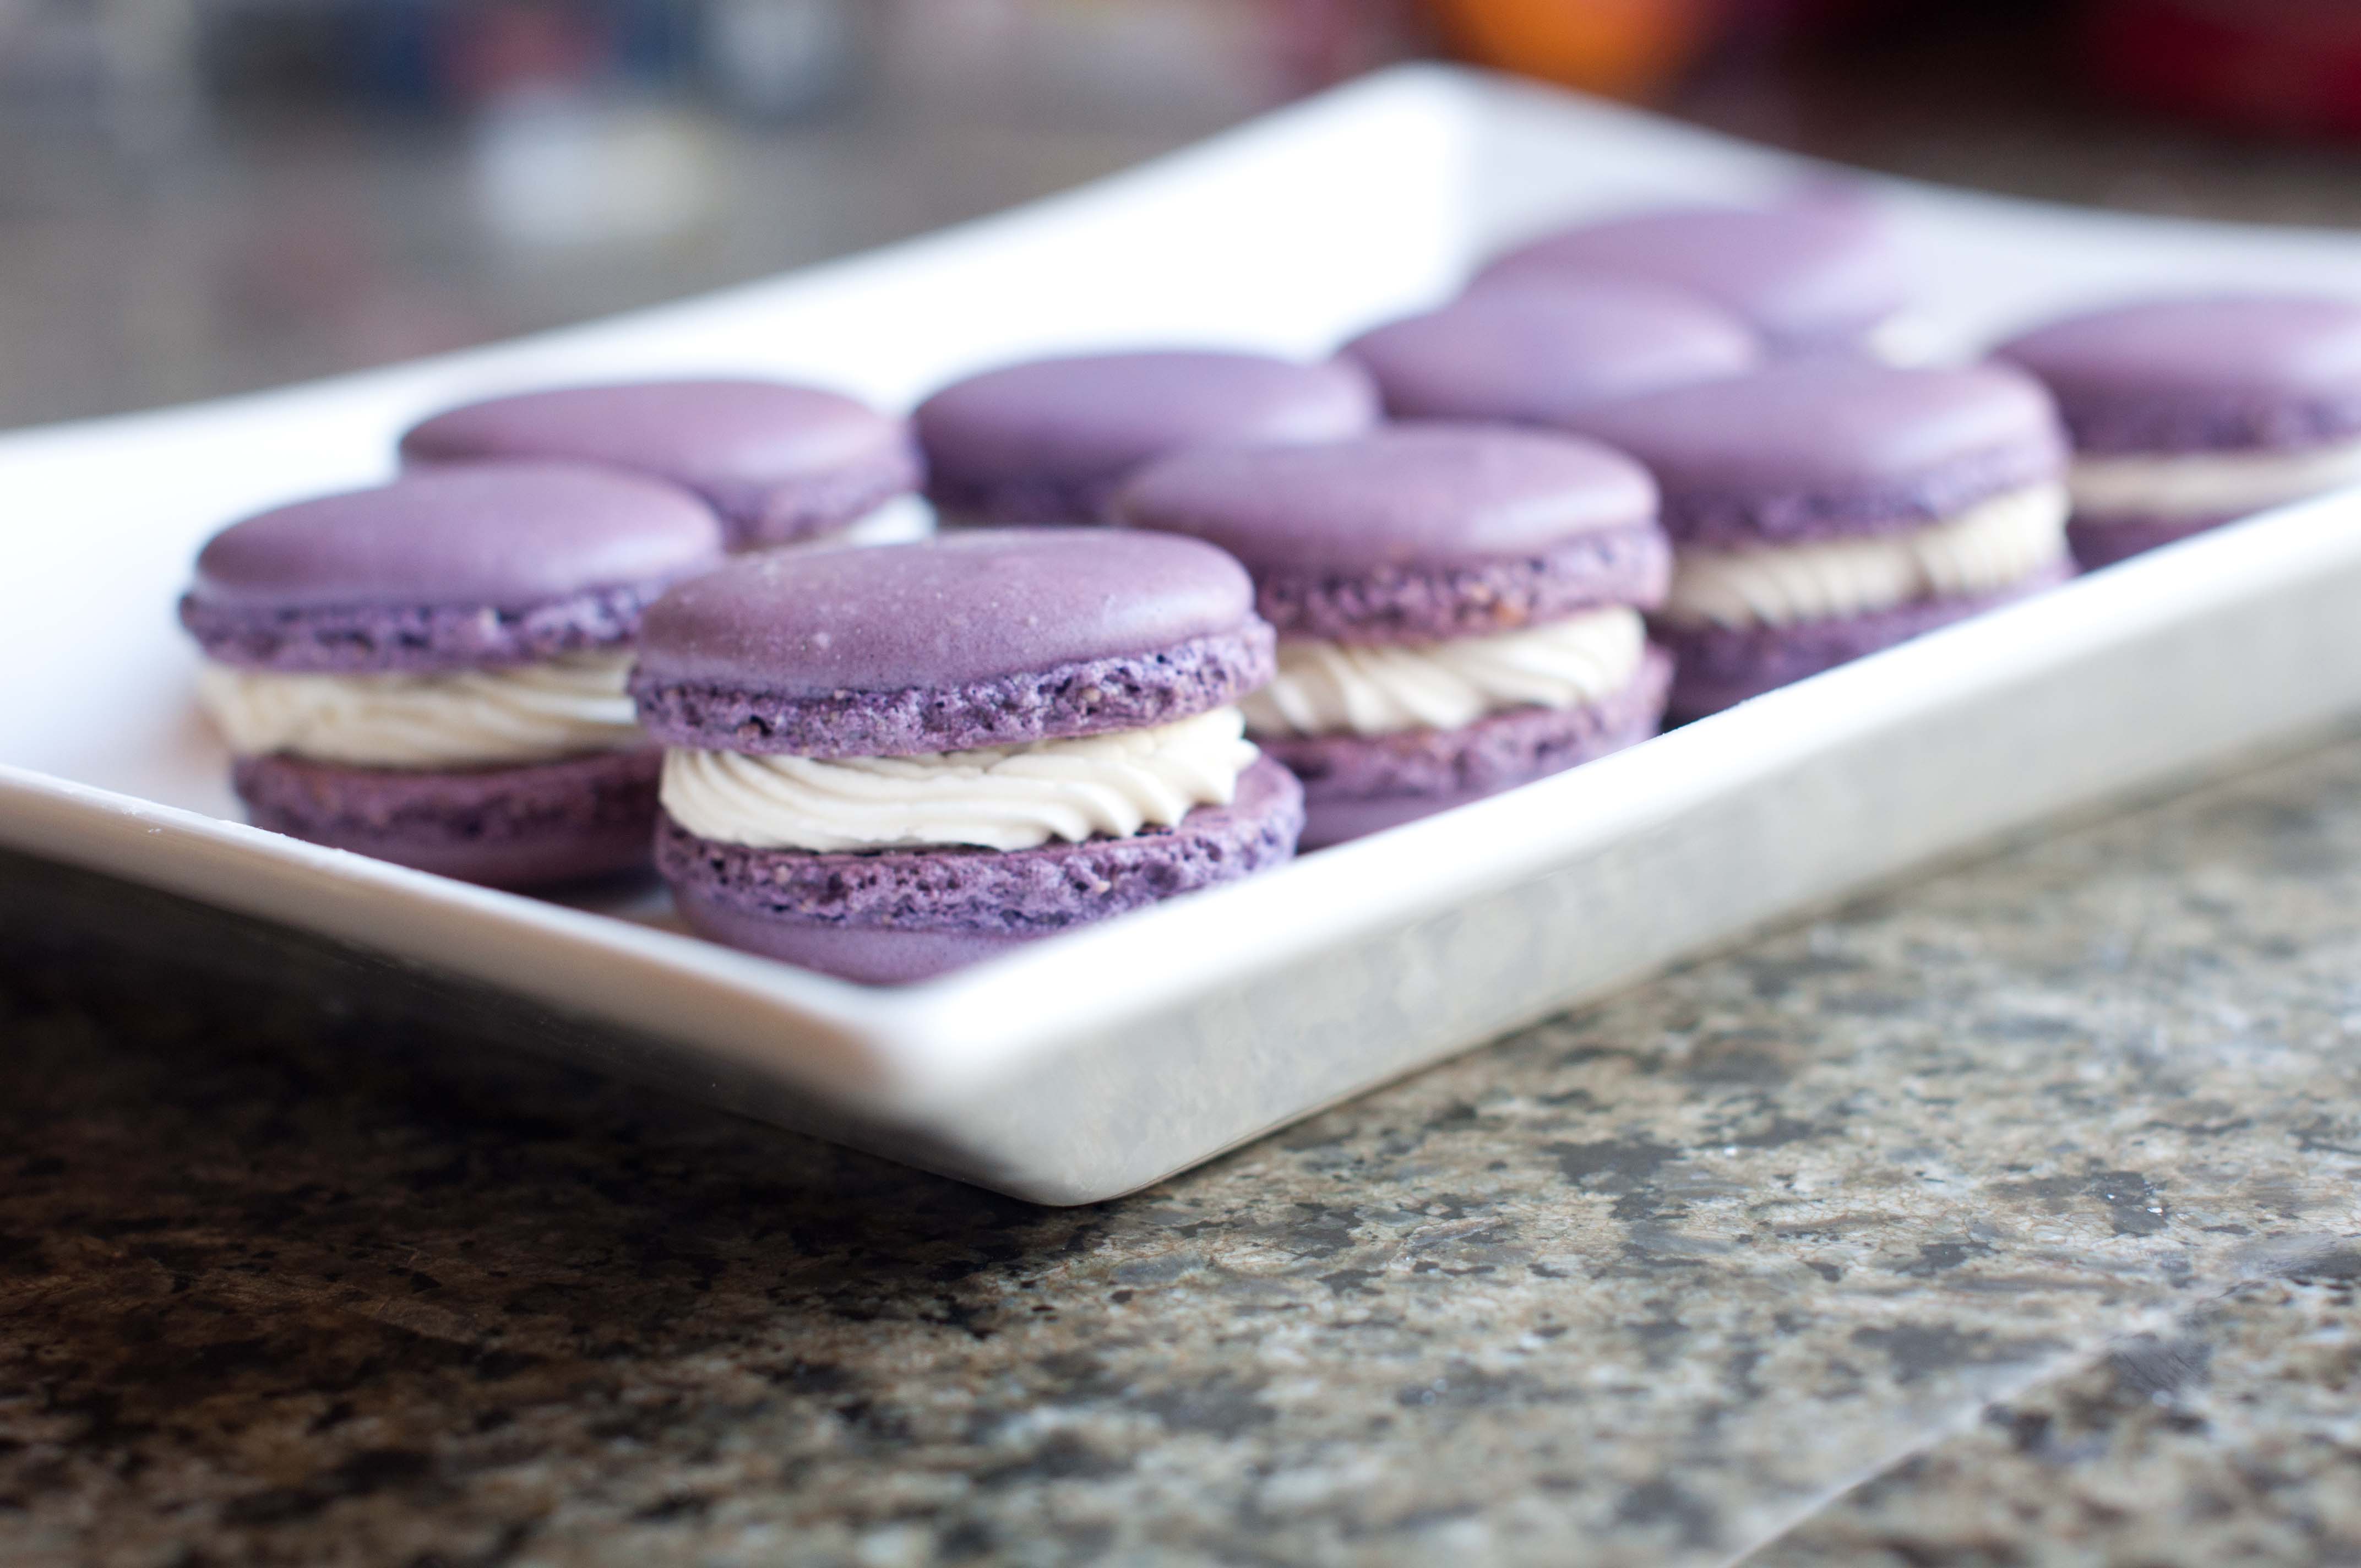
{"x": 1047, "y": 441}
{"x": 1823, "y": 509}
{"x": 2188, "y": 413}
{"x": 781, "y": 464}
{"x": 1808, "y": 275}
{"x": 887, "y": 762}
{"x": 1533, "y": 356}
{"x": 1458, "y": 606}
{"x": 432, "y": 671}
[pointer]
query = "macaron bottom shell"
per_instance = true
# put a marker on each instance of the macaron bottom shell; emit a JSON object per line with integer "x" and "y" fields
{"x": 2099, "y": 541}
{"x": 530, "y": 826}
{"x": 1354, "y": 785}
{"x": 1720, "y": 666}
{"x": 893, "y": 915}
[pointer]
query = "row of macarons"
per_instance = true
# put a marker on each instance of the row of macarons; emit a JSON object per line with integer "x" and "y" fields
{"x": 883, "y": 763}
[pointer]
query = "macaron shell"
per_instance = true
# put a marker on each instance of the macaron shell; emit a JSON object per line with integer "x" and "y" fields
{"x": 1628, "y": 565}
{"x": 2097, "y": 544}
{"x": 1534, "y": 354}
{"x": 779, "y": 462}
{"x": 1088, "y": 697}
{"x": 377, "y": 639}
{"x": 1806, "y": 274}
{"x": 768, "y": 900}
{"x": 940, "y": 612}
{"x": 1834, "y": 445}
{"x": 2224, "y": 373}
{"x": 500, "y": 537}
{"x": 1438, "y": 494}
{"x": 1046, "y": 440}
{"x": 513, "y": 828}
{"x": 1355, "y": 783}
{"x": 1720, "y": 666}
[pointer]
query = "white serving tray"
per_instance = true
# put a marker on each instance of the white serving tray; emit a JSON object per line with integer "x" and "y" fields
{"x": 1091, "y": 1065}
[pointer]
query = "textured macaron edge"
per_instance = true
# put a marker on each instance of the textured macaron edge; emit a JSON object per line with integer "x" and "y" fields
{"x": 374, "y": 639}
{"x": 1626, "y": 565}
{"x": 509, "y": 827}
{"x": 1495, "y": 752}
{"x": 2127, "y": 423}
{"x": 1722, "y": 666}
{"x": 1021, "y": 892}
{"x": 1024, "y": 503}
{"x": 1732, "y": 518}
{"x": 1088, "y": 697}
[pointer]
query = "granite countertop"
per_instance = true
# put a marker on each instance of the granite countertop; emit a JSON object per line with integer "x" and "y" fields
{"x": 2006, "y": 1217}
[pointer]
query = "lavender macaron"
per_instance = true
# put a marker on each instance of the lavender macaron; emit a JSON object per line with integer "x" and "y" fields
{"x": 1825, "y": 508}
{"x": 1809, "y": 275}
{"x": 1458, "y": 608}
{"x": 1048, "y": 440}
{"x": 433, "y": 672}
{"x": 780, "y": 463}
{"x": 1534, "y": 355}
{"x": 885, "y": 763}
{"x": 2188, "y": 413}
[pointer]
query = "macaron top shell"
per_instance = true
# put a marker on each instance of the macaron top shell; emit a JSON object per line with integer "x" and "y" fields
{"x": 947, "y": 611}
{"x": 504, "y": 537}
{"x": 1821, "y": 448}
{"x": 1438, "y": 494}
{"x": 1073, "y": 427}
{"x": 752, "y": 449}
{"x": 2202, "y": 373}
{"x": 1533, "y": 355}
{"x": 1804, "y": 274}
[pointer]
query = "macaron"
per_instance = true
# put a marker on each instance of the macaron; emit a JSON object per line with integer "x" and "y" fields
{"x": 1827, "y": 508}
{"x": 885, "y": 764}
{"x": 780, "y": 463}
{"x": 1808, "y": 275}
{"x": 1048, "y": 440}
{"x": 2188, "y": 414}
{"x": 433, "y": 672}
{"x": 1533, "y": 356}
{"x": 1458, "y": 608}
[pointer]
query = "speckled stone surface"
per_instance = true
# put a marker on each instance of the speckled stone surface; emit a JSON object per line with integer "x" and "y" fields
{"x": 2008, "y": 1217}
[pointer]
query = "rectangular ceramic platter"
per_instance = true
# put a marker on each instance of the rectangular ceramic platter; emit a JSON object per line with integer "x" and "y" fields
{"x": 1091, "y": 1065}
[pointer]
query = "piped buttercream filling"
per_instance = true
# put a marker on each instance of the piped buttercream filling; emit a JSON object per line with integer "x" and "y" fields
{"x": 2195, "y": 486}
{"x": 999, "y": 797}
{"x": 2000, "y": 541}
{"x": 1341, "y": 688}
{"x": 446, "y": 718}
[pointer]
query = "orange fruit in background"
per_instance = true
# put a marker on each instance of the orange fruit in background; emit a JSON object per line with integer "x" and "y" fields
{"x": 1621, "y": 47}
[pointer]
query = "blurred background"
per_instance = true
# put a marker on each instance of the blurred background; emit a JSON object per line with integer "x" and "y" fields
{"x": 204, "y": 196}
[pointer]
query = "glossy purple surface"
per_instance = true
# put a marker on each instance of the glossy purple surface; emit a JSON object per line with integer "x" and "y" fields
{"x": 944, "y": 612}
{"x": 779, "y": 462}
{"x": 1048, "y": 440}
{"x": 1410, "y": 495}
{"x": 1828, "y": 447}
{"x": 1807, "y": 274}
{"x": 1534, "y": 355}
{"x": 502, "y": 537}
{"x": 2202, "y": 373}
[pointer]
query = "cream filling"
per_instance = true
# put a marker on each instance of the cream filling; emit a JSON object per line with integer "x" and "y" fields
{"x": 1001, "y": 797}
{"x": 1996, "y": 542}
{"x": 524, "y": 713}
{"x": 2194, "y": 486}
{"x": 1340, "y": 688}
